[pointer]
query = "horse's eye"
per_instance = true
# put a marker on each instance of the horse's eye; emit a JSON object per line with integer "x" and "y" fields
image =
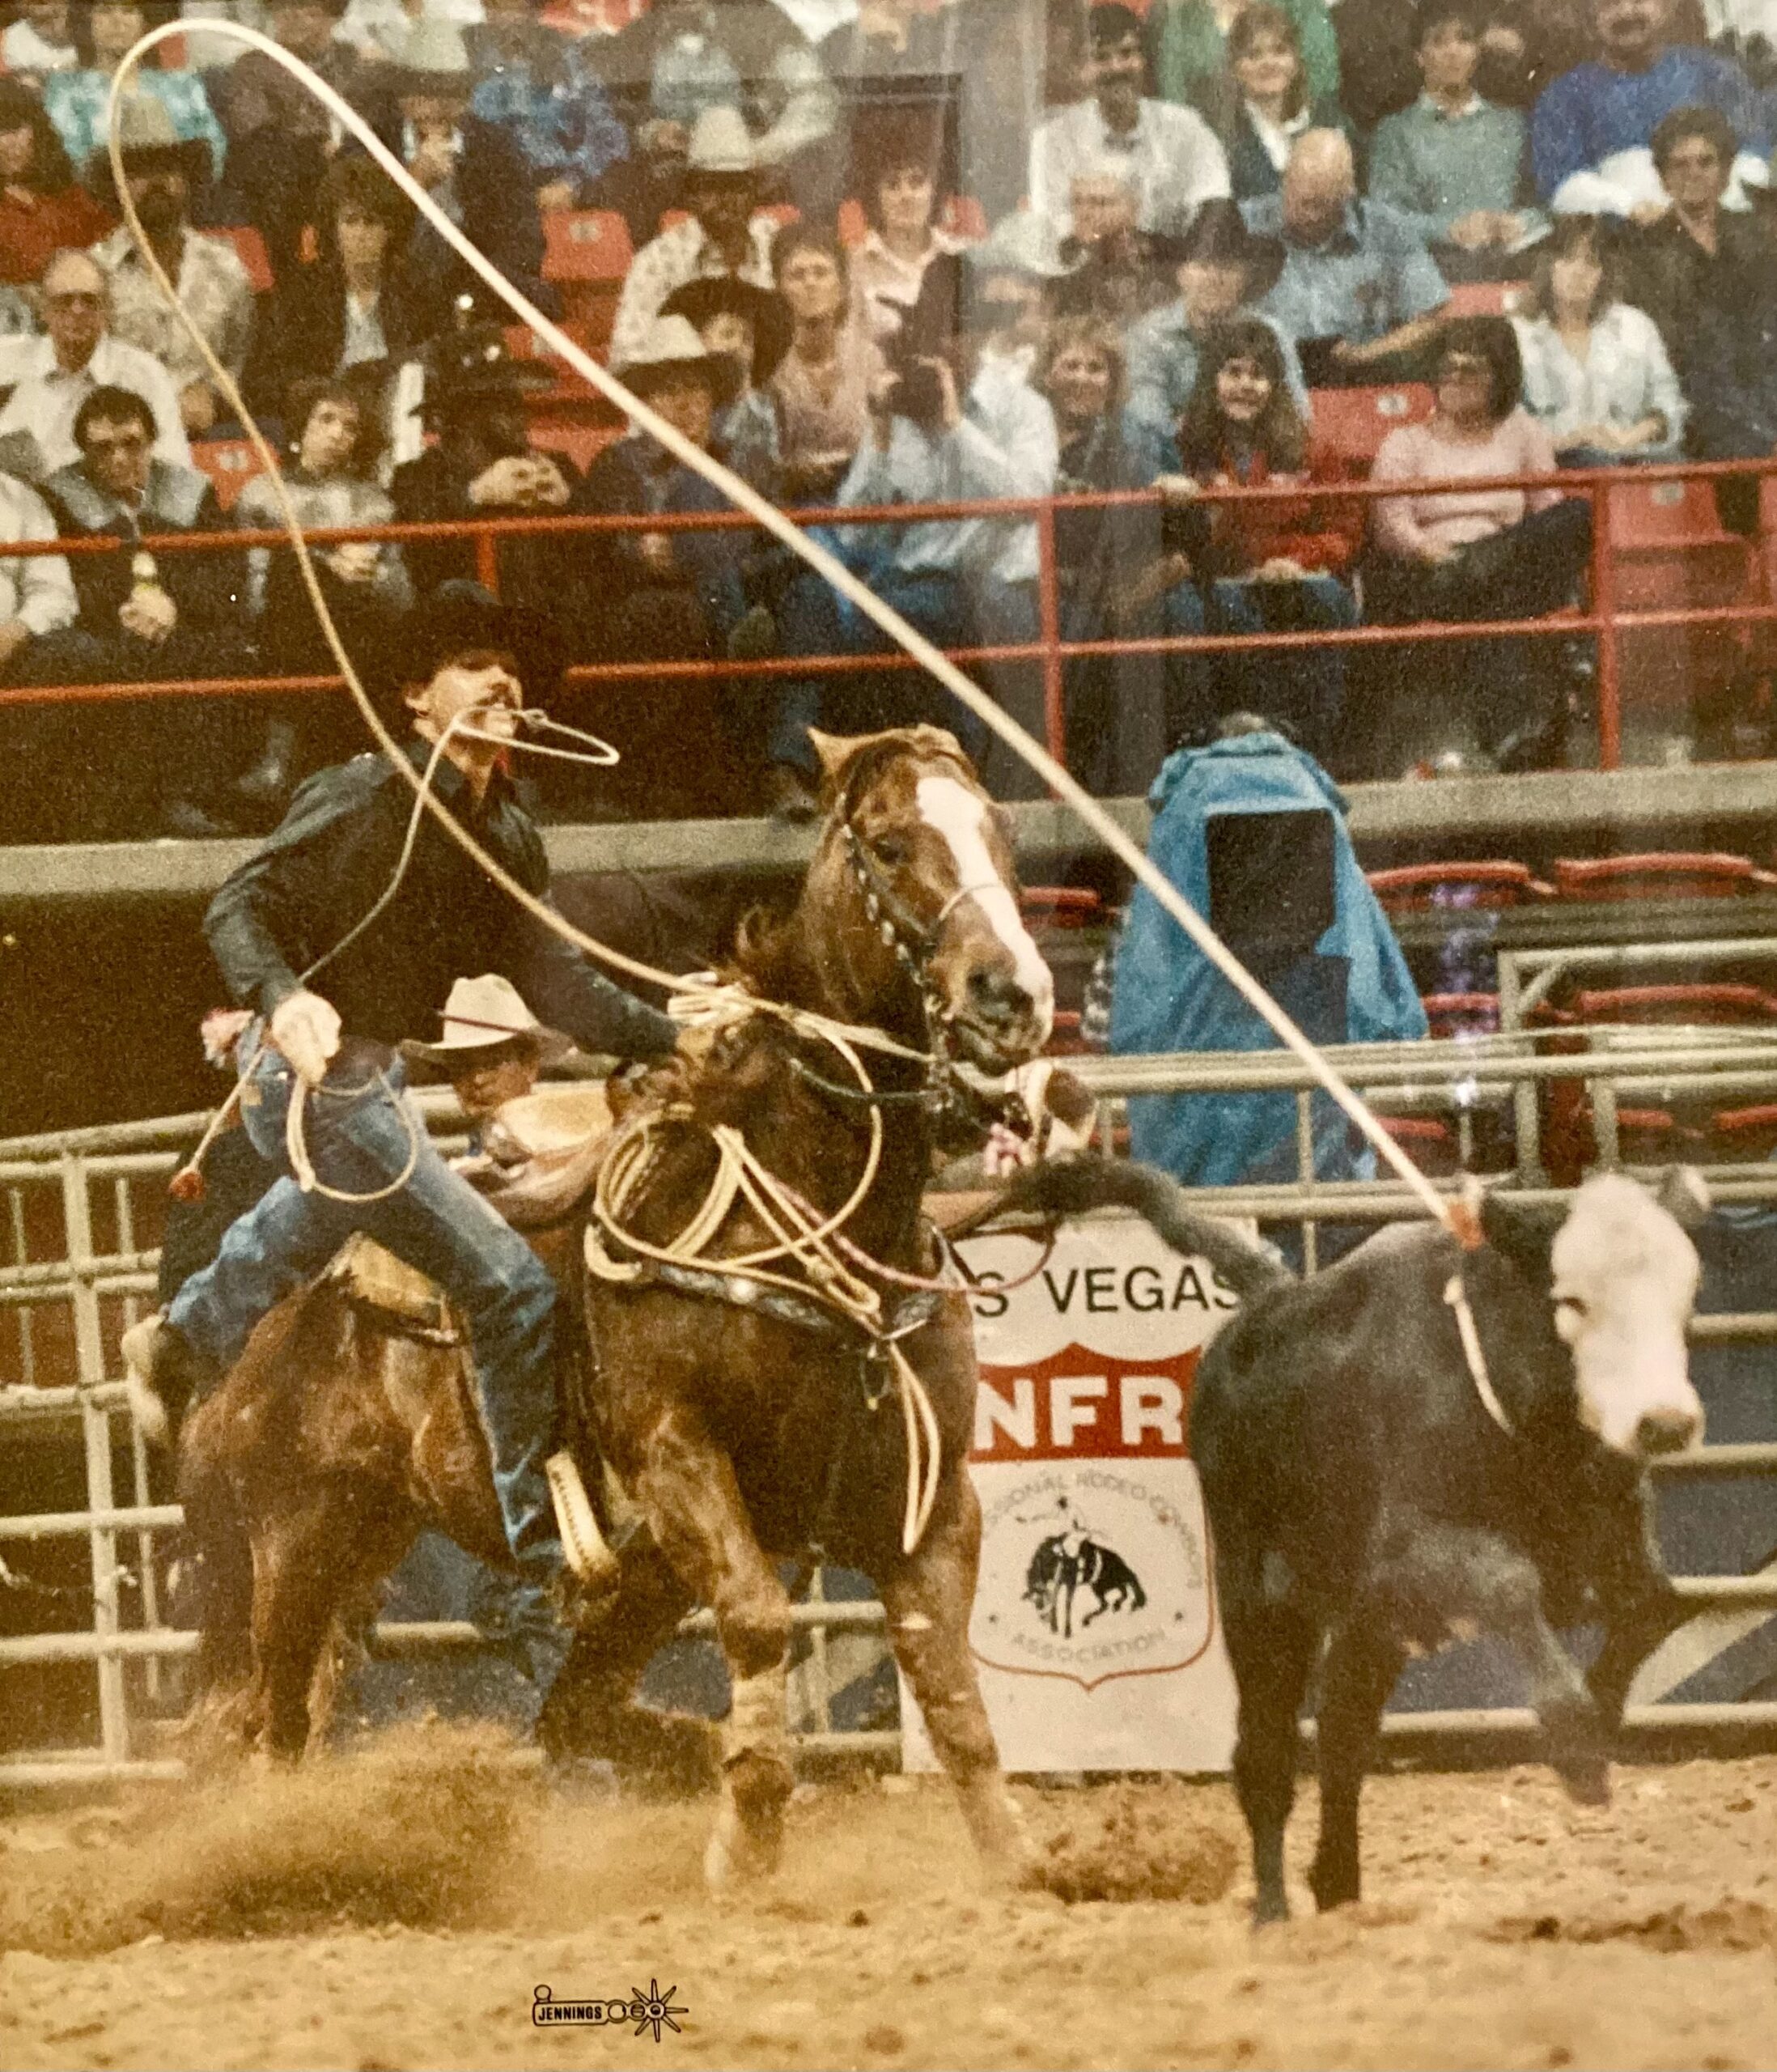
{"x": 889, "y": 849}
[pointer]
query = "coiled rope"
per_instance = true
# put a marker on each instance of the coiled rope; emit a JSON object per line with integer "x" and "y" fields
{"x": 781, "y": 528}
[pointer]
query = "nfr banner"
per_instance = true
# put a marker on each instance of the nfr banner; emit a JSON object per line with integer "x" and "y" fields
{"x": 1095, "y": 1628}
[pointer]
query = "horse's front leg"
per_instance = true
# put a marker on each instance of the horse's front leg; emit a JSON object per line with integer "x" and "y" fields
{"x": 688, "y": 1491}
{"x": 928, "y": 1596}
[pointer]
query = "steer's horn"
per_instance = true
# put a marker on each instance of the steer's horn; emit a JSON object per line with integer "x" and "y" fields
{"x": 1684, "y": 1195}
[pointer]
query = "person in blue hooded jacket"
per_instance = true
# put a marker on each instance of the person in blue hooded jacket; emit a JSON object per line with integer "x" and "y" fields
{"x": 1252, "y": 831}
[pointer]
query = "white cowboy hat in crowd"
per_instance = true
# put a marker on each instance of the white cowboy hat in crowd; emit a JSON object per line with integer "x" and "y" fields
{"x": 480, "y": 1016}
{"x": 669, "y": 341}
{"x": 435, "y": 59}
{"x": 720, "y": 143}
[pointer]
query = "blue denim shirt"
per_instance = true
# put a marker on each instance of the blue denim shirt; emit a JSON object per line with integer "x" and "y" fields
{"x": 1372, "y": 276}
{"x": 566, "y": 128}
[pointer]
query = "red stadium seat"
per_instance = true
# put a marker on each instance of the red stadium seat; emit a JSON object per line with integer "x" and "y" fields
{"x": 1671, "y": 553}
{"x": 1462, "y": 1014}
{"x": 586, "y": 245}
{"x": 1431, "y": 1144}
{"x": 1676, "y": 874}
{"x": 963, "y": 216}
{"x": 1716, "y": 1006}
{"x": 1351, "y": 423}
{"x": 580, "y": 440}
{"x": 1746, "y": 1134}
{"x": 1414, "y": 888}
{"x": 231, "y": 464}
{"x": 1061, "y": 906}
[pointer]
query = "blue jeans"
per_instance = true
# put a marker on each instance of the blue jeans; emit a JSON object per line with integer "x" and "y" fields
{"x": 357, "y": 1127}
{"x": 814, "y": 619}
{"x": 1303, "y": 687}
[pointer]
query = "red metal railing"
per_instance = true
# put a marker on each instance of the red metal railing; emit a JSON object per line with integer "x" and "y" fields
{"x": 1604, "y": 618}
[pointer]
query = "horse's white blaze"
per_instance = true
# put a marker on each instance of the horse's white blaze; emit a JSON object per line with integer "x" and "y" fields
{"x": 1625, "y": 1281}
{"x": 960, "y": 817}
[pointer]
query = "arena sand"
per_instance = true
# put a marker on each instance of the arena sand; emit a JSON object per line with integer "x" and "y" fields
{"x": 399, "y": 1908}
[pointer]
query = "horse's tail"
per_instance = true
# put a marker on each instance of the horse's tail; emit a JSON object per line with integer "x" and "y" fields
{"x": 1070, "y": 1187}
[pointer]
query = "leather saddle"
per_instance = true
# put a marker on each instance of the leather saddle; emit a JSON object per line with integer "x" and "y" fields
{"x": 541, "y": 1154}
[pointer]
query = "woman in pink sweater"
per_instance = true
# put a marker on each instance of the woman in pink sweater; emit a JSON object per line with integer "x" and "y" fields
{"x": 1479, "y": 554}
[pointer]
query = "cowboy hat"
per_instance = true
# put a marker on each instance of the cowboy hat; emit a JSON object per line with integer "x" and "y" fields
{"x": 473, "y": 366}
{"x": 671, "y": 345}
{"x": 486, "y": 1021}
{"x": 461, "y": 619}
{"x": 148, "y": 142}
{"x": 434, "y": 60}
{"x": 714, "y": 294}
{"x": 720, "y": 144}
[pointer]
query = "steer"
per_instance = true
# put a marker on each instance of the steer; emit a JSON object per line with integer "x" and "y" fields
{"x": 1421, "y": 1444}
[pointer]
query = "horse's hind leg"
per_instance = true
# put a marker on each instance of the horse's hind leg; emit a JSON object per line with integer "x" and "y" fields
{"x": 928, "y": 1597}
{"x": 688, "y": 1493}
{"x": 304, "y": 1562}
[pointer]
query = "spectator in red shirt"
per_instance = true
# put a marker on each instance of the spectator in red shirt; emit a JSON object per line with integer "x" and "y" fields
{"x": 43, "y": 207}
{"x": 1275, "y": 568}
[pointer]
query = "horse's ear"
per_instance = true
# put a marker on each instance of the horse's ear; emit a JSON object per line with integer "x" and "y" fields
{"x": 839, "y": 754}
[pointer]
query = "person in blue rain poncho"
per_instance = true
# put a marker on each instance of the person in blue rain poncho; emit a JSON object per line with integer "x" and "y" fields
{"x": 1252, "y": 831}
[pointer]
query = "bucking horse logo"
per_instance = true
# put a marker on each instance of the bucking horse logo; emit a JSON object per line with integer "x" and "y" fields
{"x": 1070, "y": 1561}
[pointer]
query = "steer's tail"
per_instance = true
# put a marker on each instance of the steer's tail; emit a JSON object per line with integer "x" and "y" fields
{"x": 1070, "y": 1187}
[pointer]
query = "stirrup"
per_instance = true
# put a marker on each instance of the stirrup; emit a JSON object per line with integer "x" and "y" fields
{"x": 589, "y": 1553}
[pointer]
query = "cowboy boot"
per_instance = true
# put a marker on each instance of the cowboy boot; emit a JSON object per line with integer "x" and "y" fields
{"x": 164, "y": 1372}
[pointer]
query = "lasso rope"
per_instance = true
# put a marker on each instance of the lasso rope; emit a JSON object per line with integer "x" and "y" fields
{"x": 781, "y": 528}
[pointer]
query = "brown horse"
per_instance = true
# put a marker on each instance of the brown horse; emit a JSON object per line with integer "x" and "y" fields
{"x": 742, "y": 1421}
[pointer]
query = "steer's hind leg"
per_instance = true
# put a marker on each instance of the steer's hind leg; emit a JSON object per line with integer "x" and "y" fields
{"x": 1271, "y": 1645}
{"x": 1359, "y": 1672}
{"x": 928, "y": 1597}
{"x": 688, "y": 1492}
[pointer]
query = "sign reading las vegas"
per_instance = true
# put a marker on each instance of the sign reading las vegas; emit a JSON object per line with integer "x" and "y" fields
{"x": 1094, "y": 1624}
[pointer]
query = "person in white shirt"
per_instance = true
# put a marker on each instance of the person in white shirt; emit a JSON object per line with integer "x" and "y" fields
{"x": 52, "y": 376}
{"x": 1596, "y": 373}
{"x": 950, "y": 423}
{"x": 720, "y": 237}
{"x": 36, "y": 591}
{"x": 380, "y": 28}
{"x": 1172, "y": 154}
{"x": 41, "y": 40}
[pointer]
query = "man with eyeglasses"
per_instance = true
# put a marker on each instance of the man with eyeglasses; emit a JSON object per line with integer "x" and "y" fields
{"x": 52, "y": 376}
{"x": 149, "y": 616}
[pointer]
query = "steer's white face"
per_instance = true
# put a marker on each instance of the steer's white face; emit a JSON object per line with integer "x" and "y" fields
{"x": 1625, "y": 1281}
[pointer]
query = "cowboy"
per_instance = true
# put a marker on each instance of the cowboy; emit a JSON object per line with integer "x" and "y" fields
{"x": 335, "y": 897}
{"x": 723, "y": 235}
{"x": 165, "y": 172}
{"x": 492, "y": 1050}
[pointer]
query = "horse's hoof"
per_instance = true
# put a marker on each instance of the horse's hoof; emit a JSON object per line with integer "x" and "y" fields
{"x": 736, "y": 1854}
{"x": 1587, "y": 1781}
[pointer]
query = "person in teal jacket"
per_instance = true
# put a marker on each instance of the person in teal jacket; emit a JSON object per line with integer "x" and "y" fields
{"x": 1252, "y": 831}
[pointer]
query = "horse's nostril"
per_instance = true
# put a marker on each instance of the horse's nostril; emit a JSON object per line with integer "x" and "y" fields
{"x": 997, "y": 993}
{"x": 1665, "y": 1432}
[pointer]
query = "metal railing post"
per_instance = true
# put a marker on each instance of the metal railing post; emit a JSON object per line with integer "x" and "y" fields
{"x": 1609, "y": 678}
{"x": 1048, "y": 621}
{"x": 487, "y": 560}
{"x": 148, "y": 1582}
{"x": 96, "y": 1429}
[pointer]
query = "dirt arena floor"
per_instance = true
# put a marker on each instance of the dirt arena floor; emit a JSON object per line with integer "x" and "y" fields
{"x": 400, "y": 1909}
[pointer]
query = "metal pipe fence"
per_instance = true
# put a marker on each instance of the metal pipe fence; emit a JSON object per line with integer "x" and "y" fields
{"x": 1606, "y": 620}
{"x": 67, "y": 1310}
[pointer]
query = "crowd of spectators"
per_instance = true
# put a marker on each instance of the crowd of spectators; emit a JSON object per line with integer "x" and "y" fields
{"x": 885, "y": 252}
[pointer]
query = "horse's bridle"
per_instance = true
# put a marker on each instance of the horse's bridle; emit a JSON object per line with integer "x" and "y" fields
{"x": 945, "y": 1094}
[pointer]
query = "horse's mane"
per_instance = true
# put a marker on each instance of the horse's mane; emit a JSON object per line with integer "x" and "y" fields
{"x": 771, "y": 959}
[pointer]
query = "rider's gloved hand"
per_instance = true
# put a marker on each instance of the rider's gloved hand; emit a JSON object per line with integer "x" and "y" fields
{"x": 305, "y": 1029}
